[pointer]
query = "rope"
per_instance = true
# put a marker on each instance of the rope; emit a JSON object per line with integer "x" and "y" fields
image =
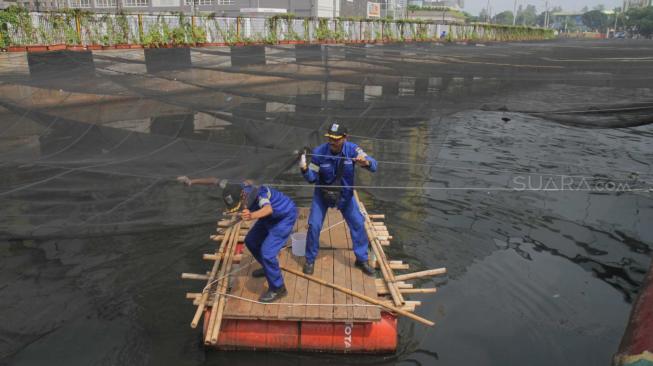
{"x": 208, "y": 285}
{"x": 332, "y": 226}
{"x": 506, "y": 189}
{"x": 443, "y": 166}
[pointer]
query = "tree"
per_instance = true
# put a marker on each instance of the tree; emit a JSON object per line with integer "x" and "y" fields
{"x": 527, "y": 16}
{"x": 505, "y": 17}
{"x": 599, "y": 7}
{"x": 640, "y": 20}
{"x": 483, "y": 15}
{"x": 596, "y": 20}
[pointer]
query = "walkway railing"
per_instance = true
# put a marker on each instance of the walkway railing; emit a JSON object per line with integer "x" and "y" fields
{"x": 74, "y": 27}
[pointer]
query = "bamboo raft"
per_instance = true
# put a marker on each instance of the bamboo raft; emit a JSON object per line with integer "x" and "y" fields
{"x": 337, "y": 293}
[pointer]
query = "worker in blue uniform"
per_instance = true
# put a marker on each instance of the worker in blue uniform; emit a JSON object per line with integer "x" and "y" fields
{"x": 332, "y": 169}
{"x": 275, "y": 214}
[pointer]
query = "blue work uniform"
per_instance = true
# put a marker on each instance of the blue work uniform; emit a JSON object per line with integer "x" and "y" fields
{"x": 268, "y": 235}
{"x": 323, "y": 171}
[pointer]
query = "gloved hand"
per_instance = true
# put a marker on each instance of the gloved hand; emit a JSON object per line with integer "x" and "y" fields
{"x": 361, "y": 160}
{"x": 185, "y": 180}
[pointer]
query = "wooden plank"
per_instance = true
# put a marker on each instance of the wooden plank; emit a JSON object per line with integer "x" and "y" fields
{"x": 357, "y": 283}
{"x": 290, "y": 280}
{"x": 358, "y": 312}
{"x": 348, "y": 291}
{"x": 338, "y": 240}
{"x": 342, "y": 278}
{"x": 300, "y": 294}
{"x": 313, "y": 294}
{"x": 257, "y": 310}
{"x": 239, "y": 288}
{"x": 326, "y": 293}
{"x": 272, "y": 311}
{"x": 369, "y": 289}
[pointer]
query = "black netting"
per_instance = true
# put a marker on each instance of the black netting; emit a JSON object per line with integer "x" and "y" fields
{"x": 91, "y": 144}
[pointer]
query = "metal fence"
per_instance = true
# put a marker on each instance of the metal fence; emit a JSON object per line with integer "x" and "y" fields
{"x": 113, "y": 29}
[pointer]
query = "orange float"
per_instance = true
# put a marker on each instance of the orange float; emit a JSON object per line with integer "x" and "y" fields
{"x": 335, "y": 337}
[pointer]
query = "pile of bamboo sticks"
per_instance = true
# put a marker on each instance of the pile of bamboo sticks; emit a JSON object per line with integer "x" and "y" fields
{"x": 230, "y": 233}
{"x": 392, "y": 286}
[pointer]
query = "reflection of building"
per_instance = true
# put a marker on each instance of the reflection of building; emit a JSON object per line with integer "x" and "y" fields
{"x": 454, "y": 4}
{"x": 568, "y": 21}
{"x": 636, "y": 4}
{"x": 301, "y": 8}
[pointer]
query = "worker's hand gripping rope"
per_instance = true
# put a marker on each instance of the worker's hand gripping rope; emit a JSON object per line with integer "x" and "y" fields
{"x": 303, "y": 165}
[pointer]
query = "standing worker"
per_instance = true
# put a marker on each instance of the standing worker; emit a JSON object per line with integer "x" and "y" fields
{"x": 332, "y": 164}
{"x": 276, "y": 214}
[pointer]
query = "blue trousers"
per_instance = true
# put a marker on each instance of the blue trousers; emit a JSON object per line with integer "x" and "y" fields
{"x": 264, "y": 240}
{"x": 354, "y": 219}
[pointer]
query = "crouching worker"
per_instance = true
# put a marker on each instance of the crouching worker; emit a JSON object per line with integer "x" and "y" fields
{"x": 276, "y": 215}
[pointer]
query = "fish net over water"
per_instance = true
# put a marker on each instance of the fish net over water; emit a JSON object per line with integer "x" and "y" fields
{"x": 91, "y": 142}
{"x": 484, "y": 152}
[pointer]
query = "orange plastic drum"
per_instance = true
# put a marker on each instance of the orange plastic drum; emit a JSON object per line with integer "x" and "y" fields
{"x": 337, "y": 337}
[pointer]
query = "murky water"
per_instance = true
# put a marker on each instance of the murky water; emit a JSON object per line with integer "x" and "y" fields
{"x": 485, "y": 168}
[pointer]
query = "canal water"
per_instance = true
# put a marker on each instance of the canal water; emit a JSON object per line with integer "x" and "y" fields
{"x": 524, "y": 169}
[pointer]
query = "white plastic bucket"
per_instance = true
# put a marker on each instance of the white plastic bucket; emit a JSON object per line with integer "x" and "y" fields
{"x": 298, "y": 244}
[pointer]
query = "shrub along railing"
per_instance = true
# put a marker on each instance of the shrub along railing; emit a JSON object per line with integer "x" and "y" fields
{"x": 80, "y": 28}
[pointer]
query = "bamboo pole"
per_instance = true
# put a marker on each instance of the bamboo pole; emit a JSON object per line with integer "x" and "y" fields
{"x": 388, "y": 275}
{"x": 205, "y": 293}
{"x": 384, "y": 290}
{"x": 399, "y": 284}
{"x": 427, "y": 273}
{"x": 392, "y": 265}
{"x": 217, "y": 257}
{"x": 241, "y": 238}
{"x": 360, "y": 296}
{"x": 219, "y": 301}
{"x": 194, "y": 276}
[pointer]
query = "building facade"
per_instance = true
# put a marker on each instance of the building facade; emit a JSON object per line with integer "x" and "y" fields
{"x": 636, "y": 4}
{"x": 301, "y": 8}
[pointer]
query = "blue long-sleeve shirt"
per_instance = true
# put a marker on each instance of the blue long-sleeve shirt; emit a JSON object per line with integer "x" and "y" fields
{"x": 282, "y": 205}
{"x": 322, "y": 169}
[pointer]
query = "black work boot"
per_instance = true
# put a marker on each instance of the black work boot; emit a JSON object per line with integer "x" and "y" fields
{"x": 272, "y": 295}
{"x": 365, "y": 267}
{"x": 258, "y": 273}
{"x": 309, "y": 268}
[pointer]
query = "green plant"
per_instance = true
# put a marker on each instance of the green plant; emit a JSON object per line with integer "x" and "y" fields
{"x": 178, "y": 35}
{"x": 153, "y": 36}
{"x": 16, "y": 27}
{"x": 323, "y": 32}
{"x": 229, "y": 35}
{"x": 340, "y": 33}
{"x": 198, "y": 34}
{"x": 122, "y": 36}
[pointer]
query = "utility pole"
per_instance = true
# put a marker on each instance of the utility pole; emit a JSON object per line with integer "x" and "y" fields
{"x": 546, "y": 14}
{"x": 487, "y": 12}
{"x": 514, "y": 13}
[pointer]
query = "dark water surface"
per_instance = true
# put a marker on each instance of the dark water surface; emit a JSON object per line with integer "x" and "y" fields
{"x": 525, "y": 169}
